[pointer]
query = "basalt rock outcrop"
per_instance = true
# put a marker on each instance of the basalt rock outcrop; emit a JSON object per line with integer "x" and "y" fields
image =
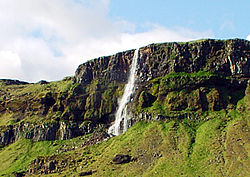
{"x": 174, "y": 81}
{"x": 45, "y": 131}
{"x": 199, "y": 71}
{"x": 111, "y": 68}
{"x": 227, "y": 57}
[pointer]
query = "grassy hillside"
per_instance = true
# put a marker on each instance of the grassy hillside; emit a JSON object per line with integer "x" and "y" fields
{"x": 158, "y": 148}
{"x": 190, "y": 107}
{"x": 216, "y": 143}
{"x": 217, "y": 146}
{"x": 25, "y": 103}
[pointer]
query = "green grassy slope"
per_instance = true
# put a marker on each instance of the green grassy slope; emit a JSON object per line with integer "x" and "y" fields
{"x": 18, "y": 156}
{"x": 204, "y": 127}
{"x": 23, "y": 102}
{"x": 215, "y": 144}
{"x": 216, "y": 147}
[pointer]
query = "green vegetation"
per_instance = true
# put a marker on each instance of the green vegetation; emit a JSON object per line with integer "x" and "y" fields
{"x": 204, "y": 75}
{"x": 54, "y": 101}
{"x": 102, "y": 98}
{"x": 201, "y": 125}
{"x": 168, "y": 148}
{"x": 216, "y": 145}
{"x": 189, "y": 146}
{"x": 18, "y": 156}
{"x": 180, "y": 93}
{"x": 18, "y": 97}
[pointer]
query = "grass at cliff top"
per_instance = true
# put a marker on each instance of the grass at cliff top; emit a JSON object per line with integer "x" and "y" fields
{"x": 215, "y": 147}
{"x": 16, "y": 96}
{"x": 35, "y": 89}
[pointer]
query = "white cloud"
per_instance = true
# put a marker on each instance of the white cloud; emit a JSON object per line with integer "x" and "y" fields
{"x": 46, "y": 39}
{"x": 248, "y": 37}
{"x": 10, "y": 64}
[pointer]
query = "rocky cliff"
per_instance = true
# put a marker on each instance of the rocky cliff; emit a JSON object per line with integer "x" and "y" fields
{"x": 174, "y": 80}
{"x": 227, "y": 57}
{"x": 202, "y": 68}
{"x": 190, "y": 114}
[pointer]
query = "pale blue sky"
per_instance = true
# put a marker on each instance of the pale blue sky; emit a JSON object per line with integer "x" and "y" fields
{"x": 225, "y": 18}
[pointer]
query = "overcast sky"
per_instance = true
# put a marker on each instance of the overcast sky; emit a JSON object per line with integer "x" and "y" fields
{"x": 48, "y": 39}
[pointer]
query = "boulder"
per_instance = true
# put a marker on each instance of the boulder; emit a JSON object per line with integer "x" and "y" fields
{"x": 121, "y": 159}
{"x": 86, "y": 173}
{"x": 18, "y": 174}
{"x": 51, "y": 166}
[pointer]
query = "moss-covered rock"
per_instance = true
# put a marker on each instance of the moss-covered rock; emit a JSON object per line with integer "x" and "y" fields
{"x": 146, "y": 99}
{"x": 173, "y": 79}
{"x": 191, "y": 104}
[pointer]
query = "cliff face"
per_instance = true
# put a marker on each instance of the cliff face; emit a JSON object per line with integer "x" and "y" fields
{"x": 202, "y": 68}
{"x": 174, "y": 80}
{"x": 230, "y": 58}
{"x": 192, "y": 100}
{"x": 111, "y": 68}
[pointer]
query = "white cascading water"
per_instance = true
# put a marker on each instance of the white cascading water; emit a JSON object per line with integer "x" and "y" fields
{"x": 121, "y": 117}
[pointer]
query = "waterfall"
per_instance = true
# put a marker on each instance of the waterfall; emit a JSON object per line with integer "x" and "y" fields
{"x": 122, "y": 119}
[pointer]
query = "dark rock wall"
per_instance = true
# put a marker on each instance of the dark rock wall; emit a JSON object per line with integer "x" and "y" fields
{"x": 110, "y": 68}
{"x": 46, "y": 131}
{"x": 92, "y": 100}
{"x": 228, "y": 57}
